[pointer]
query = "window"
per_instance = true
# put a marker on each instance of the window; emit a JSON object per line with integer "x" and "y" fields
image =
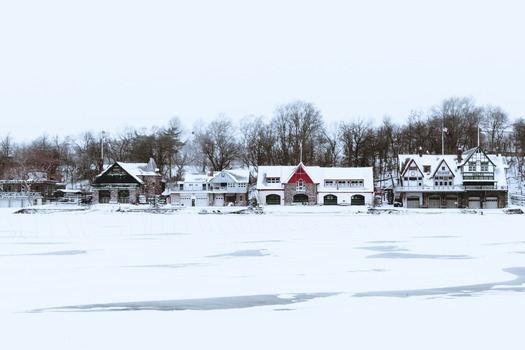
{"x": 273, "y": 180}
{"x": 300, "y": 186}
{"x": 356, "y": 183}
{"x": 484, "y": 166}
{"x": 426, "y": 168}
{"x": 471, "y": 166}
{"x": 330, "y": 183}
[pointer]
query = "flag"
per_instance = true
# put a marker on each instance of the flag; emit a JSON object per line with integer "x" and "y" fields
{"x": 445, "y": 132}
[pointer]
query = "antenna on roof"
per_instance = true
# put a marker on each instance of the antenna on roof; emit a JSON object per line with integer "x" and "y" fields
{"x": 301, "y": 152}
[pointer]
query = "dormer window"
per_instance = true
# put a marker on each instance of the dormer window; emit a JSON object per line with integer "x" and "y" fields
{"x": 426, "y": 168}
{"x": 273, "y": 180}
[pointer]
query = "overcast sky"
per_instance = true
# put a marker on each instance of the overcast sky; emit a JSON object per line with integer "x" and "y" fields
{"x": 70, "y": 66}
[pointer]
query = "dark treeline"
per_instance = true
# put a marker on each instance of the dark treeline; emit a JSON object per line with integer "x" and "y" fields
{"x": 296, "y": 132}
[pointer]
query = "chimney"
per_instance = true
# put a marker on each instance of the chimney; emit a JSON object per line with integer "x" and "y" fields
{"x": 420, "y": 151}
{"x": 211, "y": 172}
{"x": 460, "y": 153}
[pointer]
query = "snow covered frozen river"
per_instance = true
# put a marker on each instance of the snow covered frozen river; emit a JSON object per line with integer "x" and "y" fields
{"x": 328, "y": 279}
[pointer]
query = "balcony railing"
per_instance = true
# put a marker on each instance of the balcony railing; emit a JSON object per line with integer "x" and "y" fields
{"x": 455, "y": 188}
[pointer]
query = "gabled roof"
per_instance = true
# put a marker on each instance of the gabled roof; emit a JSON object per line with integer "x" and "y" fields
{"x": 234, "y": 175}
{"x": 135, "y": 170}
{"x": 469, "y": 153}
{"x": 296, "y": 173}
{"x": 195, "y": 178}
{"x": 412, "y": 161}
{"x": 451, "y": 160}
{"x": 316, "y": 173}
{"x": 443, "y": 161}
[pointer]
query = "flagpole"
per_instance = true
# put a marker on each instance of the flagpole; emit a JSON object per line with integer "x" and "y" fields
{"x": 478, "y": 135}
{"x": 442, "y": 140}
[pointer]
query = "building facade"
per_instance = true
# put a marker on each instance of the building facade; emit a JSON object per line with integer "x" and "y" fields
{"x": 470, "y": 179}
{"x": 128, "y": 183}
{"x": 227, "y": 187}
{"x": 286, "y": 185}
{"x": 36, "y": 188}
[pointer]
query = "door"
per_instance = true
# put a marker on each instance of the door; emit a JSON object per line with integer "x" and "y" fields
{"x": 357, "y": 200}
{"x": 474, "y": 203}
{"x": 186, "y": 201}
{"x": 219, "y": 200}
{"x": 413, "y": 202}
{"x": 452, "y": 202}
{"x": 123, "y": 196}
{"x": 434, "y": 202}
{"x": 330, "y": 199}
{"x": 202, "y": 201}
{"x": 103, "y": 196}
{"x": 491, "y": 203}
{"x": 300, "y": 198}
{"x": 273, "y": 199}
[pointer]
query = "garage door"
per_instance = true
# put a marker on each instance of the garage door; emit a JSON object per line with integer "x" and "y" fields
{"x": 452, "y": 202}
{"x": 330, "y": 199}
{"x": 219, "y": 201}
{"x": 413, "y": 202}
{"x": 434, "y": 202}
{"x": 357, "y": 200}
{"x": 474, "y": 203}
{"x": 273, "y": 199}
{"x": 202, "y": 201}
{"x": 185, "y": 201}
{"x": 491, "y": 203}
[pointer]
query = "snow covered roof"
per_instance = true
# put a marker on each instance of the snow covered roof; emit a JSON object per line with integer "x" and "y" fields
{"x": 239, "y": 175}
{"x": 430, "y": 160}
{"x": 136, "y": 170}
{"x": 196, "y": 178}
{"x": 236, "y": 175}
{"x": 433, "y": 161}
{"x": 318, "y": 175}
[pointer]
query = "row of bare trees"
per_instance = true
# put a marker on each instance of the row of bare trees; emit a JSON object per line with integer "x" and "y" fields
{"x": 296, "y": 132}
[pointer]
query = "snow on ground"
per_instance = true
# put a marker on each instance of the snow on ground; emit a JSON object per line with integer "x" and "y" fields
{"x": 295, "y": 277}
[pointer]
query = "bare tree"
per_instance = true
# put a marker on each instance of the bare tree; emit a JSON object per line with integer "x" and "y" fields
{"x": 358, "y": 142}
{"x": 257, "y": 141}
{"x": 218, "y": 143}
{"x": 7, "y": 148}
{"x": 120, "y": 147}
{"x": 87, "y": 155}
{"x": 327, "y": 151}
{"x": 460, "y": 117}
{"x": 495, "y": 121}
{"x": 298, "y": 128}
